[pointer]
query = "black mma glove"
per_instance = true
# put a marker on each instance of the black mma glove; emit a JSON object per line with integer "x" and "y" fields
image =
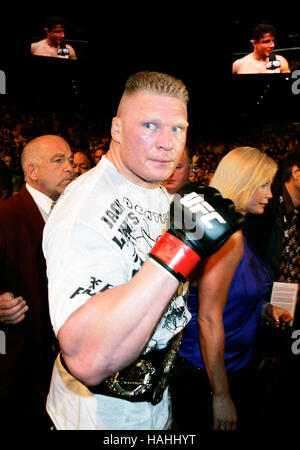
{"x": 201, "y": 220}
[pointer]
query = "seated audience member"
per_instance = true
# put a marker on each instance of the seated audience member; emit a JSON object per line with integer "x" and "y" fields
{"x": 212, "y": 378}
{"x": 26, "y": 366}
{"x": 82, "y": 163}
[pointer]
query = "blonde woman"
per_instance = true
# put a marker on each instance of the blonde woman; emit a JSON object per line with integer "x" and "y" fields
{"x": 212, "y": 375}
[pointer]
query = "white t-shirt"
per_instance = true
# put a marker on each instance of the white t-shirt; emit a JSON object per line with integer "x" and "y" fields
{"x": 97, "y": 237}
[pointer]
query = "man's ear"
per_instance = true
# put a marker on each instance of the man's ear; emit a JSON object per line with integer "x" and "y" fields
{"x": 32, "y": 171}
{"x": 115, "y": 129}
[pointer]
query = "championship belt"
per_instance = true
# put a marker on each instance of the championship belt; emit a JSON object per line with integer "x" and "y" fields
{"x": 145, "y": 380}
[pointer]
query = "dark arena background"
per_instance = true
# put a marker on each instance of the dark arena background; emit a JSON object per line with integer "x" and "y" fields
{"x": 192, "y": 43}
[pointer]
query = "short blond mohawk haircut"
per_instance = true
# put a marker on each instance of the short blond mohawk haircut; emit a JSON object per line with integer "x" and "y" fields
{"x": 157, "y": 83}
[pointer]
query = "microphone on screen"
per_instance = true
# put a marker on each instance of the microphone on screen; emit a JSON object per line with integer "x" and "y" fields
{"x": 273, "y": 63}
{"x": 63, "y": 50}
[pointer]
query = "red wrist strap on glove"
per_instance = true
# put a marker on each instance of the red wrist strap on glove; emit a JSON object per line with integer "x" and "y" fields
{"x": 175, "y": 256}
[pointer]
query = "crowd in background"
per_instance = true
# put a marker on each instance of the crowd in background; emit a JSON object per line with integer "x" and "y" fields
{"x": 276, "y": 139}
{"x": 86, "y": 133}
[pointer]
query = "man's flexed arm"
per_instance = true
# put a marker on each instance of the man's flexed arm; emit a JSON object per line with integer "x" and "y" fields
{"x": 112, "y": 328}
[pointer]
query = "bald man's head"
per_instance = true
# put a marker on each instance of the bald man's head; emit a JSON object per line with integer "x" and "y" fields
{"x": 47, "y": 164}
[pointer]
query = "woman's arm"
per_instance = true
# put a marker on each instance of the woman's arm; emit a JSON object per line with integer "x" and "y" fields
{"x": 213, "y": 286}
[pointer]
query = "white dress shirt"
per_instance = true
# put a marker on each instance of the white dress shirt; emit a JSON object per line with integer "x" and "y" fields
{"x": 42, "y": 201}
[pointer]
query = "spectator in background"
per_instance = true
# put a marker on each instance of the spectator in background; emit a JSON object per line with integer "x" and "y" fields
{"x": 82, "y": 163}
{"x": 276, "y": 238}
{"x": 10, "y": 160}
{"x": 181, "y": 175}
{"x": 6, "y": 186}
{"x": 99, "y": 152}
{"x": 25, "y": 369}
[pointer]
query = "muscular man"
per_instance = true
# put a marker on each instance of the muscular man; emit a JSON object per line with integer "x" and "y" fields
{"x": 258, "y": 61}
{"x": 52, "y": 44}
{"x": 25, "y": 368}
{"x": 113, "y": 271}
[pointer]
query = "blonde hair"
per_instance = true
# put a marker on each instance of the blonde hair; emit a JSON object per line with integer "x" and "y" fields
{"x": 241, "y": 172}
{"x": 157, "y": 83}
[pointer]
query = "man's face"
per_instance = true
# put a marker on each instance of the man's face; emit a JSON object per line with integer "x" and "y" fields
{"x": 151, "y": 131}
{"x": 180, "y": 176}
{"x": 265, "y": 45}
{"x": 9, "y": 162}
{"x": 55, "y": 170}
{"x": 98, "y": 155}
{"x": 56, "y": 35}
{"x": 81, "y": 164}
{"x": 296, "y": 178}
{"x": 293, "y": 186}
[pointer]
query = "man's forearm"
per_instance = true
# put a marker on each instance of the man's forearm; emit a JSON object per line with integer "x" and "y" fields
{"x": 112, "y": 328}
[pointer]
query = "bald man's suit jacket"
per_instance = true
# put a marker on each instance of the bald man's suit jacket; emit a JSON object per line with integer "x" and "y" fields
{"x": 25, "y": 368}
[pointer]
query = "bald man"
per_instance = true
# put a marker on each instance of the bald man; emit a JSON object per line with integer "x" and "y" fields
{"x": 25, "y": 368}
{"x": 181, "y": 175}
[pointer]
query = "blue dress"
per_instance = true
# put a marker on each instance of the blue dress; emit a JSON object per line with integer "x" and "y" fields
{"x": 251, "y": 284}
